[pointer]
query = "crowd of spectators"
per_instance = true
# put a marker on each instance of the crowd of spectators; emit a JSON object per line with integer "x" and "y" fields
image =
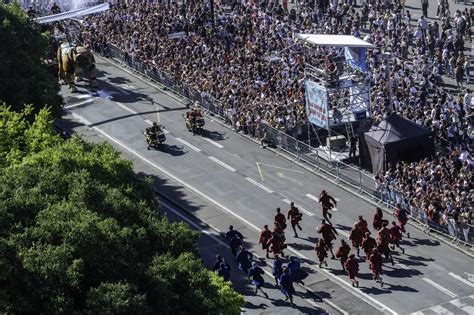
{"x": 249, "y": 60}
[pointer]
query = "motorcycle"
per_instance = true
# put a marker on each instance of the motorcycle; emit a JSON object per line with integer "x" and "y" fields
{"x": 197, "y": 126}
{"x": 154, "y": 140}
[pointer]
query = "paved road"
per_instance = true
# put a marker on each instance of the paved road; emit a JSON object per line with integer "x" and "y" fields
{"x": 212, "y": 242}
{"x": 225, "y": 179}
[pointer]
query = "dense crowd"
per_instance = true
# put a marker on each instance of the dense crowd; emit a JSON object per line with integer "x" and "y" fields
{"x": 249, "y": 60}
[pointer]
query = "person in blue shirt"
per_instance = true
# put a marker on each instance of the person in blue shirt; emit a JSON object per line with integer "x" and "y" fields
{"x": 286, "y": 285}
{"x": 219, "y": 261}
{"x": 277, "y": 269}
{"x": 223, "y": 271}
{"x": 294, "y": 267}
{"x": 235, "y": 239}
{"x": 244, "y": 258}
{"x": 256, "y": 274}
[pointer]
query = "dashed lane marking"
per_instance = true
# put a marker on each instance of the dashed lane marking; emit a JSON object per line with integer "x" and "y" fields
{"x": 186, "y": 143}
{"x": 300, "y": 208}
{"x": 268, "y": 190}
{"x": 260, "y": 172}
{"x": 220, "y": 146}
{"x": 462, "y": 305}
{"x": 81, "y": 96}
{"x": 364, "y": 296}
{"x": 437, "y": 309}
{"x": 90, "y": 100}
{"x": 440, "y": 287}
{"x": 312, "y": 197}
{"x": 455, "y": 276}
{"x": 126, "y": 108}
{"x": 222, "y": 243}
{"x": 148, "y": 121}
{"x": 136, "y": 113}
{"x": 230, "y": 168}
{"x": 317, "y": 200}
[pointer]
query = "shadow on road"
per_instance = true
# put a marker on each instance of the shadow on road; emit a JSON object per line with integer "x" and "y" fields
{"x": 215, "y": 135}
{"x": 394, "y": 272}
{"x": 425, "y": 242}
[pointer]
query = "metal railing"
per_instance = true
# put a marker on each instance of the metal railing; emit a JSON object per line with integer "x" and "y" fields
{"x": 349, "y": 175}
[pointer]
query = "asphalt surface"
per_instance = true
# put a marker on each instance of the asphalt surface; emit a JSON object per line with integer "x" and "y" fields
{"x": 224, "y": 179}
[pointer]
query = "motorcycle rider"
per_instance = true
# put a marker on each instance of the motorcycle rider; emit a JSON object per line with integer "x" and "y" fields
{"x": 153, "y": 132}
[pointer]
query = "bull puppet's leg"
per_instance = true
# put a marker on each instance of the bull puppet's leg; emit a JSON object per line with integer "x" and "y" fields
{"x": 93, "y": 77}
{"x": 61, "y": 73}
{"x": 61, "y": 76}
{"x": 70, "y": 82}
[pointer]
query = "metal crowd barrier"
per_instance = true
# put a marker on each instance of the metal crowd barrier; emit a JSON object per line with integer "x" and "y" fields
{"x": 282, "y": 141}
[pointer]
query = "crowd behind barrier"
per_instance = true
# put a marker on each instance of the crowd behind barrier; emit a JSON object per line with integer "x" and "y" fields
{"x": 458, "y": 230}
{"x": 196, "y": 48}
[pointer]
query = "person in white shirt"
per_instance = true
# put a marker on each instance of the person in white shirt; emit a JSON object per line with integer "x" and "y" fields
{"x": 467, "y": 100}
{"x": 423, "y": 24}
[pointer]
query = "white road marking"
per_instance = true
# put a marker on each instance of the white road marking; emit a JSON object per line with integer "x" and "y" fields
{"x": 230, "y": 168}
{"x": 222, "y": 243}
{"x": 157, "y": 114}
{"x": 186, "y": 143}
{"x": 470, "y": 276}
{"x": 438, "y": 309}
{"x": 148, "y": 121}
{"x": 440, "y": 287}
{"x": 300, "y": 208}
{"x": 127, "y": 86}
{"x": 104, "y": 94}
{"x": 126, "y": 108}
{"x": 268, "y": 190}
{"x": 469, "y": 283}
{"x": 81, "y": 96}
{"x": 81, "y": 103}
{"x": 260, "y": 171}
{"x": 220, "y": 146}
{"x": 317, "y": 200}
{"x": 364, "y": 296}
{"x": 397, "y": 264}
{"x": 281, "y": 168}
{"x": 312, "y": 197}
{"x": 464, "y": 306}
{"x": 370, "y": 300}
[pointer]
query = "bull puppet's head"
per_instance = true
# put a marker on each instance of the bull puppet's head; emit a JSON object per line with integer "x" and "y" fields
{"x": 84, "y": 58}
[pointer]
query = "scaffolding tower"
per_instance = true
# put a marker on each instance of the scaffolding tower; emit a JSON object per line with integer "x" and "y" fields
{"x": 337, "y": 85}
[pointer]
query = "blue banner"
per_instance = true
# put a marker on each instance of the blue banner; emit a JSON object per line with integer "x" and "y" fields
{"x": 355, "y": 58}
{"x": 316, "y": 104}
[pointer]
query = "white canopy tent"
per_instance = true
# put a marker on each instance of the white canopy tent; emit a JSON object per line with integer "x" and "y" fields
{"x": 335, "y": 40}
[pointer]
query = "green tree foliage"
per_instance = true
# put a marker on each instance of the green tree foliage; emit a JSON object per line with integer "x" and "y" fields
{"x": 23, "y": 133}
{"x": 79, "y": 234}
{"x": 23, "y": 77}
{"x": 182, "y": 285}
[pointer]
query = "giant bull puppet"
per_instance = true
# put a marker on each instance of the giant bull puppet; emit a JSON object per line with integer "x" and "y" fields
{"x": 74, "y": 62}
